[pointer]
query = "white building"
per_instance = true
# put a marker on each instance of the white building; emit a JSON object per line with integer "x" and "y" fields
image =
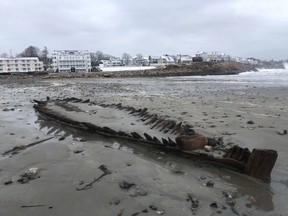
{"x": 113, "y": 62}
{"x": 22, "y": 64}
{"x": 140, "y": 60}
{"x": 213, "y": 56}
{"x": 166, "y": 60}
{"x": 71, "y": 61}
{"x": 184, "y": 59}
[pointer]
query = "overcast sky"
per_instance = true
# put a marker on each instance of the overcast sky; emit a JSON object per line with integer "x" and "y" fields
{"x": 245, "y": 28}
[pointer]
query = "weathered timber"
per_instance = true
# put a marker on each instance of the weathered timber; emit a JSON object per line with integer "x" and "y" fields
{"x": 158, "y": 122}
{"x": 148, "y": 137}
{"x": 116, "y": 120}
{"x": 154, "y": 119}
{"x": 260, "y": 164}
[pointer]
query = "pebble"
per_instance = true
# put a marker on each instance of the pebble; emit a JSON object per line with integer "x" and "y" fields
{"x": 62, "y": 138}
{"x": 78, "y": 151}
{"x": 250, "y": 122}
{"x": 117, "y": 202}
{"x": 160, "y": 212}
{"x": 31, "y": 173}
{"x": 126, "y": 184}
{"x": 8, "y": 182}
{"x": 207, "y": 148}
{"x": 214, "y": 205}
{"x": 210, "y": 184}
{"x": 284, "y": 132}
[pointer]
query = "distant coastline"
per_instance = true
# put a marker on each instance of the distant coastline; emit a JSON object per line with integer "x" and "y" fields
{"x": 195, "y": 69}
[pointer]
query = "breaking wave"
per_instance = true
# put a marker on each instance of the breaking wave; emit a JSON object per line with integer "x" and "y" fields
{"x": 267, "y": 72}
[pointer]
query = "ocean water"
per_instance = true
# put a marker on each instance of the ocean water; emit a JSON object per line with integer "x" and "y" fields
{"x": 260, "y": 78}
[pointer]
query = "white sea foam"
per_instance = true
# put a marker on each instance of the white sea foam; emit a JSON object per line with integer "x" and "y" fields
{"x": 267, "y": 72}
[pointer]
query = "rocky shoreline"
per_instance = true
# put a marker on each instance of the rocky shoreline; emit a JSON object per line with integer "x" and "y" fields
{"x": 196, "y": 69}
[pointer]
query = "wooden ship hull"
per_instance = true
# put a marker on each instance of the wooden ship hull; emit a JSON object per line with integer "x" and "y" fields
{"x": 116, "y": 120}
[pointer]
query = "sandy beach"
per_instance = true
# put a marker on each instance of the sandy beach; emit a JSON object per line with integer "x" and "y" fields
{"x": 164, "y": 183}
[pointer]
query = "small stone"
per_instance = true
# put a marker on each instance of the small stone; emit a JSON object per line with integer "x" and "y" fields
{"x": 117, "y": 202}
{"x": 128, "y": 164}
{"x": 126, "y": 184}
{"x": 62, "y": 138}
{"x": 78, "y": 151}
{"x": 284, "y": 132}
{"x": 214, "y": 205}
{"x": 154, "y": 208}
{"x": 6, "y": 109}
{"x": 145, "y": 210}
{"x": 207, "y": 148}
{"x": 210, "y": 184}
{"x": 12, "y": 134}
{"x": 250, "y": 122}
{"x": 8, "y": 182}
{"x": 31, "y": 173}
{"x": 160, "y": 212}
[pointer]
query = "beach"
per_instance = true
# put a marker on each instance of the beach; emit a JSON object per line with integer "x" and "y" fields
{"x": 163, "y": 183}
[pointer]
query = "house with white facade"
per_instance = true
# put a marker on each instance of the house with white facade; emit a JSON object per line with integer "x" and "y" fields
{"x": 213, "y": 56}
{"x": 140, "y": 60}
{"x": 184, "y": 59}
{"x": 113, "y": 62}
{"x": 203, "y": 55}
{"x": 154, "y": 60}
{"x": 71, "y": 61}
{"x": 21, "y": 64}
{"x": 166, "y": 60}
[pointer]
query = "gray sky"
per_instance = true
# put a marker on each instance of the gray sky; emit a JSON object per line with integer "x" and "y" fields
{"x": 245, "y": 28}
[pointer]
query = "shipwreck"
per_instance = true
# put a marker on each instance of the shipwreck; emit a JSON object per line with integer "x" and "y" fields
{"x": 117, "y": 120}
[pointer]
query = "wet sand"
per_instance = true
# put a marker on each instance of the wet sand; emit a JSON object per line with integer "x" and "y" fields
{"x": 214, "y": 109}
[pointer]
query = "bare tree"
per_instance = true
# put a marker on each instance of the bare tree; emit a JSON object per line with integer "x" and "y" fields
{"x": 126, "y": 58}
{"x": 44, "y": 57}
